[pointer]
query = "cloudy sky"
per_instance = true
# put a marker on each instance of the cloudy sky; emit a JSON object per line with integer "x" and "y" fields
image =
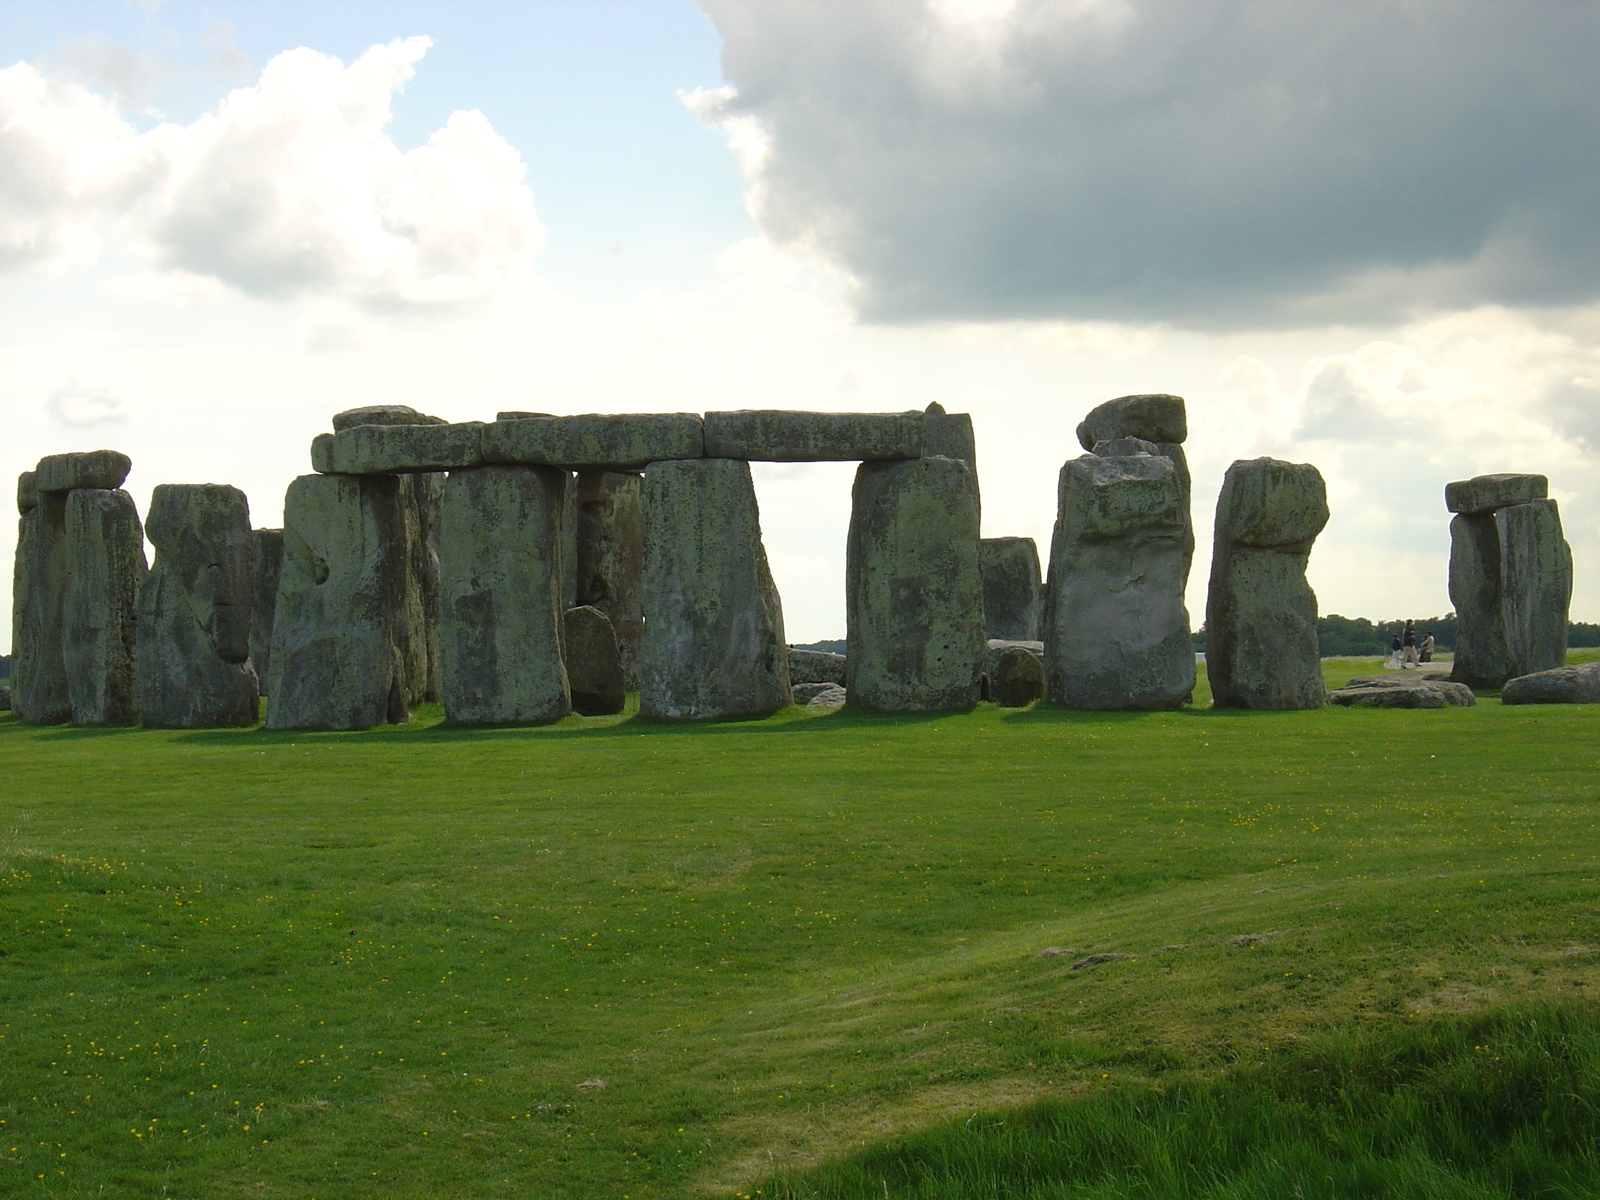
{"x": 1356, "y": 233}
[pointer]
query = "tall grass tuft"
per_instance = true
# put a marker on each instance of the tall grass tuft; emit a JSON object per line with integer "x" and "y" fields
{"x": 1506, "y": 1105}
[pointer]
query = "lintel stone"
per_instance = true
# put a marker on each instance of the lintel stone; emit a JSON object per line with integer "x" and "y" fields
{"x": 398, "y": 449}
{"x": 104, "y": 469}
{"x": 1485, "y": 493}
{"x": 596, "y": 441}
{"x": 780, "y": 435}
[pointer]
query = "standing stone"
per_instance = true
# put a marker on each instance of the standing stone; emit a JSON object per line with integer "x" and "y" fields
{"x": 105, "y": 567}
{"x": 1116, "y": 632}
{"x": 949, "y": 435}
{"x": 1261, "y": 614}
{"x": 610, "y": 558}
{"x": 1481, "y": 658}
{"x": 569, "y": 542}
{"x": 713, "y": 641}
{"x": 197, "y": 608}
{"x": 1010, "y": 570}
{"x": 38, "y": 595}
{"x": 340, "y": 634}
{"x": 500, "y": 596}
{"x": 1017, "y": 679}
{"x": 1156, "y": 418}
{"x": 1535, "y": 585}
{"x": 913, "y": 593}
{"x": 594, "y": 665}
{"x": 427, "y": 493}
{"x": 268, "y": 567}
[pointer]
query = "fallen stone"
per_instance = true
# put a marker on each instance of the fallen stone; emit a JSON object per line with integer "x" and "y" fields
{"x": 713, "y": 623}
{"x": 1563, "y": 685}
{"x": 105, "y": 567}
{"x": 913, "y": 591}
{"x": 815, "y": 667}
{"x": 500, "y": 596}
{"x": 1261, "y": 614}
{"x": 38, "y": 597}
{"x": 339, "y": 632}
{"x": 1535, "y": 585}
{"x": 196, "y": 610}
{"x": 1387, "y": 697}
{"x": 1154, "y": 418}
{"x": 1458, "y": 695}
{"x": 609, "y": 532}
{"x": 268, "y": 567}
{"x": 103, "y": 470}
{"x": 382, "y": 414}
{"x": 1009, "y": 567}
{"x": 1017, "y": 679}
{"x": 1481, "y": 656}
{"x": 1485, "y": 493}
{"x": 594, "y": 665}
{"x": 27, "y": 491}
{"x": 1116, "y": 632}
{"x": 831, "y": 696}
{"x": 805, "y": 691}
{"x": 596, "y": 442}
{"x": 398, "y": 449}
{"x": 995, "y": 647}
{"x": 779, "y": 435}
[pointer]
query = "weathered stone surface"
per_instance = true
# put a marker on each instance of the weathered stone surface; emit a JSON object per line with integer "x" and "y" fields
{"x": 27, "y": 491}
{"x": 398, "y": 449}
{"x": 1017, "y": 679}
{"x": 1481, "y": 658}
{"x": 1125, "y": 447}
{"x": 340, "y": 630}
{"x": 196, "y": 610}
{"x": 1116, "y": 632}
{"x": 949, "y": 435}
{"x": 1563, "y": 685}
{"x": 995, "y": 647}
{"x": 1485, "y": 493}
{"x": 1261, "y": 614}
{"x": 913, "y": 592}
{"x": 803, "y": 692}
{"x": 596, "y": 442}
{"x": 105, "y": 568}
{"x": 713, "y": 624}
{"x": 425, "y": 496}
{"x": 382, "y": 414}
{"x": 594, "y": 665}
{"x": 1009, "y": 567}
{"x": 104, "y": 470}
{"x": 1154, "y": 417}
{"x": 268, "y": 545}
{"x": 610, "y": 558}
{"x": 1358, "y": 692}
{"x": 815, "y": 666}
{"x": 500, "y": 596}
{"x": 828, "y": 695}
{"x": 38, "y": 597}
{"x": 781, "y": 435}
{"x": 5, "y": 698}
{"x": 1382, "y": 697}
{"x": 1535, "y": 585}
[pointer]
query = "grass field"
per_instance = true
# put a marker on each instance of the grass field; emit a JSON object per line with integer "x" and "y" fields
{"x": 607, "y": 958}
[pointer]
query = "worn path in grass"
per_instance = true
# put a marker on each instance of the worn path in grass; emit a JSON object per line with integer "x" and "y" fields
{"x": 607, "y": 958}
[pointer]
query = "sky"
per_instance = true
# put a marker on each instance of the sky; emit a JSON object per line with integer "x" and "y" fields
{"x": 1355, "y": 233}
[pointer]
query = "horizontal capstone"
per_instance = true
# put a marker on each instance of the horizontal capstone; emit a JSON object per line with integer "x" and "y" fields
{"x": 778, "y": 435}
{"x": 398, "y": 449}
{"x": 596, "y": 442}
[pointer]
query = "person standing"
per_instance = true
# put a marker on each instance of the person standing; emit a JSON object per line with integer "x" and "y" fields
{"x": 1394, "y": 650}
{"x": 1408, "y": 646}
{"x": 1425, "y": 647}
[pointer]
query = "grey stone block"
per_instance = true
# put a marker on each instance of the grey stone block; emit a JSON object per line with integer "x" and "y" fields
{"x": 268, "y": 545}
{"x": 1562, "y": 685}
{"x": 610, "y": 558}
{"x": 101, "y": 469}
{"x": 713, "y": 624}
{"x": 828, "y": 695}
{"x": 1356, "y": 693}
{"x": 340, "y": 630}
{"x": 594, "y": 665}
{"x": 815, "y": 667}
{"x": 1116, "y": 632}
{"x": 196, "y": 610}
{"x": 1261, "y": 614}
{"x": 779, "y": 435}
{"x": 1126, "y": 447}
{"x": 1154, "y": 417}
{"x": 1009, "y": 567}
{"x": 1481, "y": 658}
{"x": 382, "y": 414}
{"x": 596, "y": 442}
{"x": 105, "y": 568}
{"x": 500, "y": 596}
{"x": 913, "y": 593}
{"x": 27, "y": 491}
{"x": 1535, "y": 585}
{"x": 1017, "y": 679}
{"x": 398, "y": 449}
{"x": 1485, "y": 493}
{"x": 38, "y": 597}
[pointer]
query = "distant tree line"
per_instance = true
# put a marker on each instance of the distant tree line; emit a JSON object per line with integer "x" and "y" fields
{"x": 1357, "y": 637}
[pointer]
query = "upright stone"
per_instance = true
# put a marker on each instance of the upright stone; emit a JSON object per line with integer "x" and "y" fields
{"x": 949, "y": 435}
{"x": 38, "y": 596}
{"x": 1017, "y": 679}
{"x": 594, "y": 665}
{"x": 913, "y": 593}
{"x": 569, "y": 542}
{"x": 713, "y": 641}
{"x": 1261, "y": 614}
{"x": 1010, "y": 570}
{"x": 610, "y": 558}
{"x": 1535, "y": 585}
{"x": 1481, "y": 657}
{"x": 1116, "y": 632}
{"x": 197, "y": 608}
{"x": 500, "y": 596}
{"x": 1156, "y": 418}
{"x": 268, "y": 567}
{"x": 340, "y": 634}
{"x": 105, "y": 568}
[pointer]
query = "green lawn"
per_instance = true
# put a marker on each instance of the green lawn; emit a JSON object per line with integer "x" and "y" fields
{"x": 606, "y": 958}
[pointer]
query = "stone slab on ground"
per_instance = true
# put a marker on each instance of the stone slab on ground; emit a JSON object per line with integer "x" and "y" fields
{"x": 1485, "y": 493}
{"x": 830, "y": 696}
{"x": 101, "y": 469}
{"x": 781, "y": 435}
{"x": 596, "y": 442}
{"x": 1430, "y": 692}
{"x": 1562, "y": 685}
{"x": 398, "y": 449}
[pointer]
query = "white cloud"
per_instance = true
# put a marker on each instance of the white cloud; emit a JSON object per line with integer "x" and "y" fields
{"x": 86, "y": 405}
{"x": 290, "y": 189}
